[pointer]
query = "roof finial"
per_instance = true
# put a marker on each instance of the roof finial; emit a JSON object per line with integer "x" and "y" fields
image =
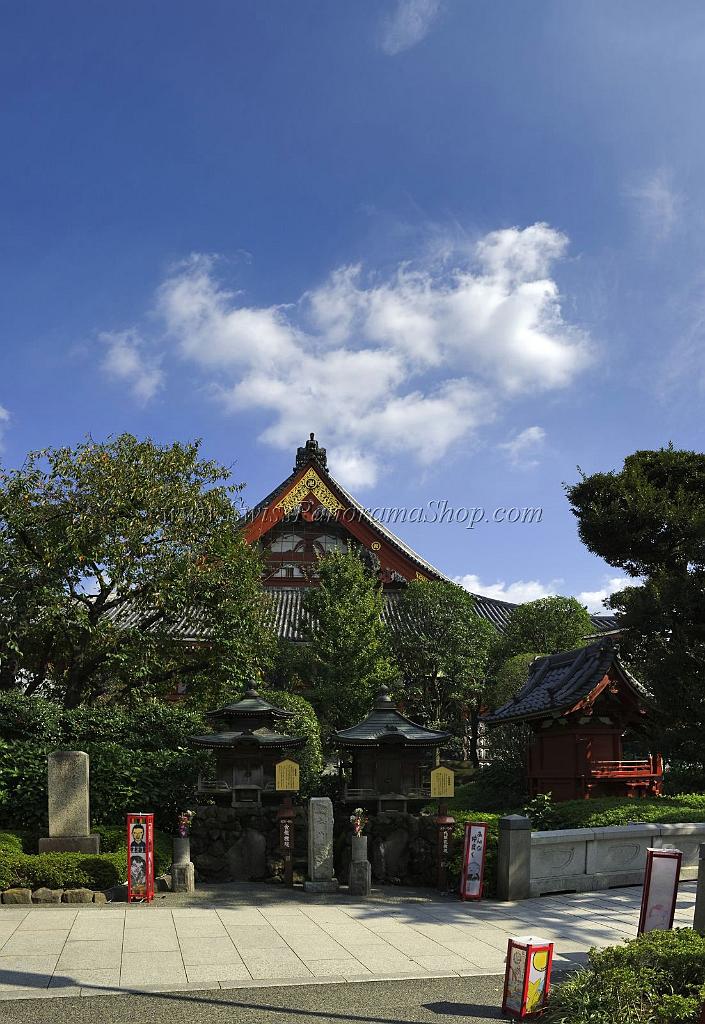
{"x": 311, "y": 452}
{"x": 383, "y": 700}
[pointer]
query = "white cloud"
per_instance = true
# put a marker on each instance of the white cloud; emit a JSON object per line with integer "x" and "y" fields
{"x": 409, "y": 23}
{"x": 594, "y": 599}
{"x": 523, "y": 447}
{"x": 4, "y": 420}
{"x": 658, "y": 204}
{"x": 517, "y": 592}
{"x": 520, "y": 591}
{"x": 407, "y": 364}
{"x": 127, "y": 361}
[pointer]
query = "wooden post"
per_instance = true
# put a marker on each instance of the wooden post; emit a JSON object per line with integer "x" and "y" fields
{"x": 444, "y": 823}
{"x": 285, "y": 814}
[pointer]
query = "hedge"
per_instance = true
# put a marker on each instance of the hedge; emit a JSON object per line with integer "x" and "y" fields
{"x": 74, "y": 870}
{"x": 602, "y": 811}
{"x": 162, "y": 781}
{"x": 658, "y": 978}
{"x": 304, "y": 723}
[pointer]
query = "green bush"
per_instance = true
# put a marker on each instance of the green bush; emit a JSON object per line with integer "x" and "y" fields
{"x": 658, "y": 978}
{"x": 75, "y": 870}
{"x": 456, "y": 860}
{"x": 304, "y": 723}
{"x": 604, "y": 811}
{"x": 122, "y": 780}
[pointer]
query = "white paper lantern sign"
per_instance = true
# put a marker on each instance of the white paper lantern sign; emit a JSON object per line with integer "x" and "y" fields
{"x": 658, "y": 899}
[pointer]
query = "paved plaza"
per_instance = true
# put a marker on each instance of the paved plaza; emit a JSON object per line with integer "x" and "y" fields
{"x": 276, "y": 938}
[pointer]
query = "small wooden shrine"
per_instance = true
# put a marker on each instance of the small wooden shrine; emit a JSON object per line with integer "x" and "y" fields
{"x": 247, "y": 749}
{"x": 389, "y": 757}
{"x": 579, "y": 705}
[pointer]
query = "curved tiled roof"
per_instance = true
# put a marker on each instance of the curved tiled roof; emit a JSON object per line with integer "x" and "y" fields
{"x": 560, "y": 681}
{"x": 384, "y": 725}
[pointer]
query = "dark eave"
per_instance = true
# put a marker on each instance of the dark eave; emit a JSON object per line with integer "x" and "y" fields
{"x": 234, "y": 740}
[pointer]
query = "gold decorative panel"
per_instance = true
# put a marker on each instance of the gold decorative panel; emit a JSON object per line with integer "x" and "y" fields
{"x": 310, "y": 483}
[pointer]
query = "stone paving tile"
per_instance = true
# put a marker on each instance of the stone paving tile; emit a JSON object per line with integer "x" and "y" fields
{"x": 342, "y": 968}
{"x": 196, "y": 952}
{"x": 88, "y": 954}
{"x": 83, "y": 978}
{"x": 261, "y": 966}
{"x": 241, "y": 917}
{"x": 138, "y": 919}
{"x": 161, "y": 940}
{"x": 154, "y": 969}
{"x": 449, "y": 962}
{"x": 211, "y": 927}
{"x": 217, "y": 973}
{"x": 48, "y": 920}
{"x": 26, "y": 971}
{"x": 256, "y": 937}
{"x": 34, "y": 944}
{"x": 110, "y": 931}
{"x": 479, "y": 954}
{"x": 318, "y": 950}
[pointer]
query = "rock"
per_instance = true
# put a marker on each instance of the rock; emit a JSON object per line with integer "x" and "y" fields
{"x": 17, "y": 896}
{"x": 100, "y": 897}
{"x": 162, "y": 883}
{"x": 117, "y": 894}
{"x": 77, "y": 896}
{"x": 320, "y": 841}
{"x": 44, "y": 895}
{"x": 247, "y": 857}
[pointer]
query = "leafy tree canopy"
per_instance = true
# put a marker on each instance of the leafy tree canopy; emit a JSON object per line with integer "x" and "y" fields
{"x": 649, "y": 519}
{"x": 443, "y": 648}
{"x": 509, "y": 679}
{"x": 103, "y": 549}
{"x": 348, "y": 643}
{"x": 548, "y": 625}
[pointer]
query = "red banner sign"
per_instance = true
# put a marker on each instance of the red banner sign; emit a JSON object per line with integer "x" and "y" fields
{"x": 140, "y": 858}
{"x": 473, "y": 860}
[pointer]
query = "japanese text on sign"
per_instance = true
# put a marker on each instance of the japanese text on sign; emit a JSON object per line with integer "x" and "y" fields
{"x": 287, "y": 776}
{"x": 442, "y": 782}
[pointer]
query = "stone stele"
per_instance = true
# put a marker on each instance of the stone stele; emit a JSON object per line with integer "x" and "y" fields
{"x": 69, "y": 809}
{"x": 320, "y": 846}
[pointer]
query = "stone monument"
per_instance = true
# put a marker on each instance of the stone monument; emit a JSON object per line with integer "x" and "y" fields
{"x": 183, "y": 876}
{"x": 69, "y": 807}
{"x": 360, "y": 868}
{"x": 320, "y": 846}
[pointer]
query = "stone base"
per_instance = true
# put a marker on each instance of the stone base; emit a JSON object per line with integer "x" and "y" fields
{"x": 360, "y": 878}
{"x": 70, "y": 844}
{"x": 323, "y": 885}
{"x": 183, "y": 878}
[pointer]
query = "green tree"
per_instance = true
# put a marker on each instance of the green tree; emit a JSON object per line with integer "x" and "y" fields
{"x": 548, "y": 625}
{"x": 349, "y": 649}
{"x": 509, "y": 679}
{"x": 443, "y": 648}
{"x": 649, "y": 520}
{"x": 109, "y": 548}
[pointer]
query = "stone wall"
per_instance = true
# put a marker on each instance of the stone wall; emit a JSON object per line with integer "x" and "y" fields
{"x": 234, "y": 844}
{"x": 401, "y": 847}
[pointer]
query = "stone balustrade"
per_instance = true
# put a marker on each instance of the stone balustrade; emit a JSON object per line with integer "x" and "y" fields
{"x": 587, "y": 859}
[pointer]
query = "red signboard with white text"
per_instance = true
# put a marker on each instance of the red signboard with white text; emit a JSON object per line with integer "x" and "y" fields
{"x": 473, "y": 860}
{"x": 140, "y": 858}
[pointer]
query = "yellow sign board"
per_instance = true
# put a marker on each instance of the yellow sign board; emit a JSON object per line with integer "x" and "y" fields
{"x": 287, "y": 776}
{"x": 442, "y": 782}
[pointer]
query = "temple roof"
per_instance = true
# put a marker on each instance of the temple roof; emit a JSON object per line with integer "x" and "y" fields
{"x": 257, "y": 717}
{"x": 559, "y": 682}
{"x": 384, "y": 725}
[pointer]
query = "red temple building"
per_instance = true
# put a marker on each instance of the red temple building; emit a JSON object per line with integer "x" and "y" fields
{"x": 310, "y": 514}
{"x": 579, "y": 705}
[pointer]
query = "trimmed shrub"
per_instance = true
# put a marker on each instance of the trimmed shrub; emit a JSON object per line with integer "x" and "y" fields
{"x": 658, "y": 978}
{"x": 304, "y": 723}
{"x": 602, "y": 811}
{"x": 456, "y": 861}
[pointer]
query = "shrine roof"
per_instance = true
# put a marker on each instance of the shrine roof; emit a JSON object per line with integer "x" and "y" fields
{"x": 250, "y": 706}
{"x": 384, "y": 725}
{"x": 232, "y": 739}
{"x": 558, "y": 682}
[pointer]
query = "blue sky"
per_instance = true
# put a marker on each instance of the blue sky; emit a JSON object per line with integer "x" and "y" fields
{"x": 460, "y": 240}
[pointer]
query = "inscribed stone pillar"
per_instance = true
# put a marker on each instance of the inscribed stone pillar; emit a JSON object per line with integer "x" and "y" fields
{"x": 69, "y": 808}
{"x": 514, "y": 858}
{"x": 320, "y": 846}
